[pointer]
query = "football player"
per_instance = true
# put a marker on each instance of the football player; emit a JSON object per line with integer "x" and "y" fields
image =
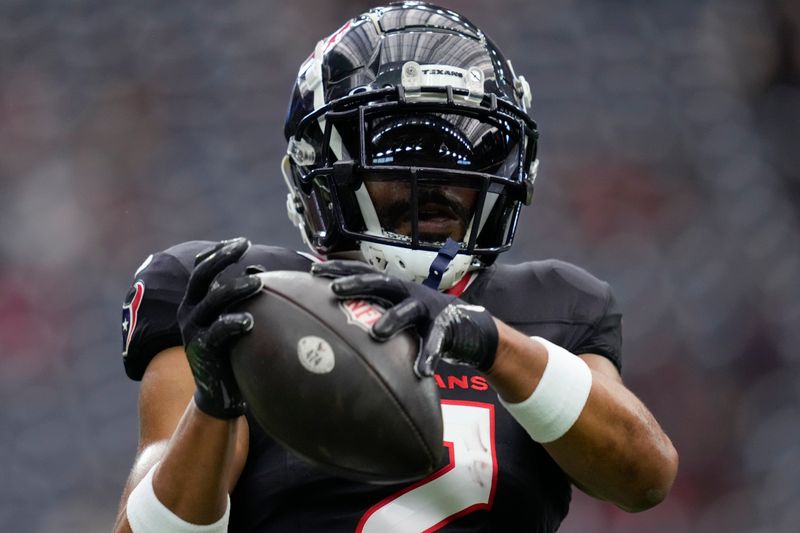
{"x": 410, "y": 154}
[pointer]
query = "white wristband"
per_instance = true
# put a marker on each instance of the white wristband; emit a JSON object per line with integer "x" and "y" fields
{"x": 558, "y": 399}
{"x": 146, "y": 514}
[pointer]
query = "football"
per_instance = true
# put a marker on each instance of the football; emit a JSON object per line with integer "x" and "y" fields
{"x": 317, "y": 383}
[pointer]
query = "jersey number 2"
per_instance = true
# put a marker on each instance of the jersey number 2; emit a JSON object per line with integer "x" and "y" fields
{"x": 465, "y": 485}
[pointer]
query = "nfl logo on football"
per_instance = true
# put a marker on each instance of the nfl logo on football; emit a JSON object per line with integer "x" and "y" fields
{"x": 361, "y": 313}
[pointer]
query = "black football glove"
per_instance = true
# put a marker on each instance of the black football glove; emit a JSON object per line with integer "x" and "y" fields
{"x": 208, "y": 333}
{"x": 450, "y": 328}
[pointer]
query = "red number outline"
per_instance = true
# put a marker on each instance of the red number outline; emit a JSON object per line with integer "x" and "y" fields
{"x": 444, "y": 470}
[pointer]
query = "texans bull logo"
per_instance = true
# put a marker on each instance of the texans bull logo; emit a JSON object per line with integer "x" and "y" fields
{"x": 129, "y": 311}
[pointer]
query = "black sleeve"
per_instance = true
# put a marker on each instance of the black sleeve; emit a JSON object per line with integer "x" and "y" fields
{"x": 605, "y": 336}
{"x": 149, "y": 322}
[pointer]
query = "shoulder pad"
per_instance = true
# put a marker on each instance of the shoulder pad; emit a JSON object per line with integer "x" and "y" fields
{"x": 557, "y": 292}
{"x": 149, "y": 323}
{"x": 149, "y": 311}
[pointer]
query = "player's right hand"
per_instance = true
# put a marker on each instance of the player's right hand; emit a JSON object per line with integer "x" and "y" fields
{"x": 208, "y": 332}
{"x": 451, "y": 329}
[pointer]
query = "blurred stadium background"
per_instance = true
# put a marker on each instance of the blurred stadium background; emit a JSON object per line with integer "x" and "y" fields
{"x": 669, "y": 168}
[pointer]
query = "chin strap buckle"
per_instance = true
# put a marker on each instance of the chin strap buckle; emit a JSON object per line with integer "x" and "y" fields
{"x": 440, "y": 263}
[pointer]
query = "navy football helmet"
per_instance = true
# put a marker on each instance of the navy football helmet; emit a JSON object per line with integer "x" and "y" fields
{"x": 405, "y": 127}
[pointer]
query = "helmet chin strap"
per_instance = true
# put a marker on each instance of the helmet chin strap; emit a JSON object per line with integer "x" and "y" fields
{"x": 439, "y": 264}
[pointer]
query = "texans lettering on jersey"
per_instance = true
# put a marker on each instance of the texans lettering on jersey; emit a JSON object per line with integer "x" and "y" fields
{"x": 493, "y": 476}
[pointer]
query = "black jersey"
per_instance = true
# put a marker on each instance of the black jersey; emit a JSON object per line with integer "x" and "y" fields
{"x": 493, "y": 476}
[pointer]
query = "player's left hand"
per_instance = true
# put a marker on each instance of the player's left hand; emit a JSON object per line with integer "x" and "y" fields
{"x": 451, "y": 329}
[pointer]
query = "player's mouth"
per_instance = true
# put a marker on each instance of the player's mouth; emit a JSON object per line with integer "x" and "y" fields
{"x": 435, "y": 223}
{"x": 441, "y": 212}
{"x": 440, "y": 221}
